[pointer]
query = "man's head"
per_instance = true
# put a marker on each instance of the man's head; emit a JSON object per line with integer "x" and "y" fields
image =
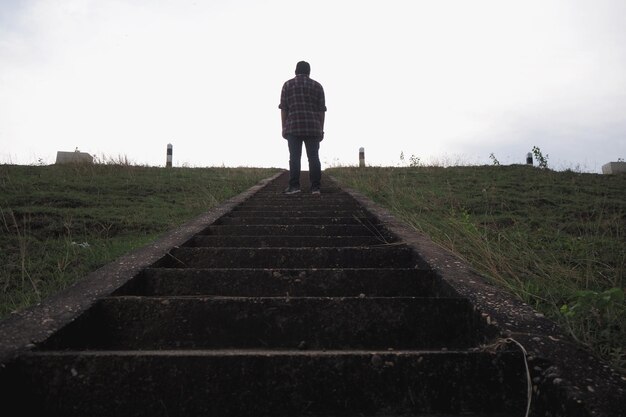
{"x": 303, "y": 67}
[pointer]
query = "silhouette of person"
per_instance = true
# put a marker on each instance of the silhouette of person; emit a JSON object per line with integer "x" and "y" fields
{"x": 303, "y": 107}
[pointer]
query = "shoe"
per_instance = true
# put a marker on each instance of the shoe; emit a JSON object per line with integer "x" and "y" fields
{"x": 315, "y": 191}
{"x": 290, "y": 190}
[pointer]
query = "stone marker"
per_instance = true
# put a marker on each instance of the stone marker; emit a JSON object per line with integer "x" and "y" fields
{"x": 75, "y": 157}
{"x": 361, "y": 157}
{"x": 614, "y": 168}
{"x": 168, "y": 162}
{"x": 529, "y": 158}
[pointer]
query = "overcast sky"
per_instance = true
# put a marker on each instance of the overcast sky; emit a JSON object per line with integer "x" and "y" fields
{"x": 449, "y": 81}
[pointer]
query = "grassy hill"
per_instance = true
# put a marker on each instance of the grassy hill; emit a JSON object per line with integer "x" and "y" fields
{"x": 557, "y": 240}
{"x": 58, "y": 223}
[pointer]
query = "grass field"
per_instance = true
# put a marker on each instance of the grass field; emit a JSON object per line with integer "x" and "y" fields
{"x": 556, "y": 240}
{"x": 58, "y": 223}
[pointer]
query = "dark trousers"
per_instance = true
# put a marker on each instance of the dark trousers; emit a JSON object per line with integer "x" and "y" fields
{"x": 312, "y": 153}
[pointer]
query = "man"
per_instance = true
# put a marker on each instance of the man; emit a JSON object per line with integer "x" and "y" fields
{"x": 302, "y": 106}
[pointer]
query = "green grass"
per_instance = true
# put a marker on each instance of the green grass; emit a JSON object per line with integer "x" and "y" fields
{"x": 58, "y": 223}
{"x": 556, "y": 240}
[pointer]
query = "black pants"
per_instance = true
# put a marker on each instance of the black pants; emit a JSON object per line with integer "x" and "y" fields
{"x": 312, "y": 153}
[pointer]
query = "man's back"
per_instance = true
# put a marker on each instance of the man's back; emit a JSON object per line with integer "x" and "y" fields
{"x": 302, "y": 98}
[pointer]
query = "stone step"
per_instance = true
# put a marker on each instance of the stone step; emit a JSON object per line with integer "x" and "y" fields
{"x": 231, "y": 220}
{"x": 281, "y": 241}
{"x": 335, "y": 195}
{"x": 300, "y": 202}
{"x": 303, "y": 199}
{"x": 388, "y": 256}
{"x": 130, "y": 323}
{"x": 300, "y": 230}
{"x": 295, "y": 208}
{"x": 267, "y": 383}
{"x": 300, "y": 213}
{"x": 287, "y": 282}
{"x": 280, "y": 184}
{"x": 313, "y": 205}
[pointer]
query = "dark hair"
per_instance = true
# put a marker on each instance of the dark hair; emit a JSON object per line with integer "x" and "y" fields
{"x": 303, "y": 67}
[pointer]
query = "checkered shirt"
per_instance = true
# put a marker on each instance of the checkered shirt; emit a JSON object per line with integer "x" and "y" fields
{"x": 303, "y": 99}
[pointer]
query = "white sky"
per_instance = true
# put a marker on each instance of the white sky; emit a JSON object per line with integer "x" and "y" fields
{"x": 450, "y": 81}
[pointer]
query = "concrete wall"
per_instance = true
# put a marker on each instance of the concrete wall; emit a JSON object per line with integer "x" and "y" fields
{"x": 614, "y": 168}
{"x": 74, "y": 158}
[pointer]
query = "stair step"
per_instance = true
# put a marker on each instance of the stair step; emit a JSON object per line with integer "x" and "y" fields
{"x": 129, "y": 322}
{"x": 250, "y": 210}
{"x": 315, "y": 206}
{"x": 299, "y": 230}
{"x": 281, "y": 241}
{"x": 364, "y": 257}
{"x": 302, "y": 197}
{"x": 295, "y": 220}
{"x": 267, "y": 383}
{"x": 282, "y": 282}
{"x": 300, "y": 213}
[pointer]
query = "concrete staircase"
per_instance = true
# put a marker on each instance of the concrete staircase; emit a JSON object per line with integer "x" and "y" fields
{"x": 297, "y": 305}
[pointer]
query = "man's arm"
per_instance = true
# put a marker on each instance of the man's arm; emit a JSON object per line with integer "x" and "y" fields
{"x": 322, "y": 107}
{"x": 283, "y": 117}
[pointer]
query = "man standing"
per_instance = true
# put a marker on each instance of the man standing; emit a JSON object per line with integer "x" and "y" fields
{"x": 302, "y": 106}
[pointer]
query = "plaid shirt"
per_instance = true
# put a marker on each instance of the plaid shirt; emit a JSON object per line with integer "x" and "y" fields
{"x": 303, "y": 100}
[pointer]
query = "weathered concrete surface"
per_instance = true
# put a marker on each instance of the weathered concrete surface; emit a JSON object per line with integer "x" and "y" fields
{"x": 73, "y": 158}
{"x": 366, "y": 257}
{"x": 614, "y": 168}
{"x": 20, "y": 331}
{"x": 270, "y": 383}
{"x": 223, "y": 241}
{"x": 140, "y": 323}
{"x": 299, "y": 213}
{"x": 318, "y": 282}
{"x": 567, "y": 379}
{"x": 317, "y": 220}
{"x": 298, "y": 230}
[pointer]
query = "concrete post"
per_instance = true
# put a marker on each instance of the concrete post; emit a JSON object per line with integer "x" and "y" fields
{"x": 361, "y": 157}
{"x": 529, "y": 158}
{"x": 168, "y": 163}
